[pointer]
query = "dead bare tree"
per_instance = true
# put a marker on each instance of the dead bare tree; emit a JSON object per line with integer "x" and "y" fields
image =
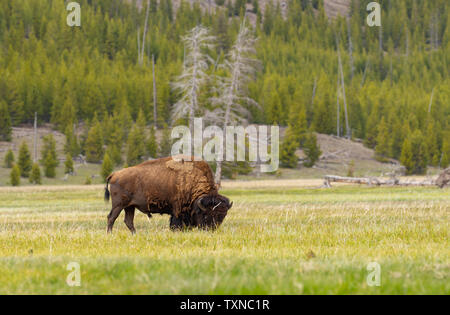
{"x": 347, "y": 124}
{"x": 380, "y": 39}
{"x": 141, "y": 47}
{"x": 391, "y": 75}
{"x": 406, "y": 41}
{"x": 155, "y": 109}
{"x": 381, "y": 51}
{"x": 232, "y": 90}
{"x": 314, "y": 91}
{"x": 366, "y": 68}
{"x": 431, "y": 101}
{"x": 434, "y": 31}
{"x": 139, "y": 44}
{"x": 350, "y": 49}
{"x": 35, "y": 139}
{"x": 194, "y": 73}
{"x": 338, "y": 127}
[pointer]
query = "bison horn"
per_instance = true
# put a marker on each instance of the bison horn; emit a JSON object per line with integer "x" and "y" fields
{"x": 217, "y": 205}
{"x": 230, "y": 205}
{"x": 199, "y": 204}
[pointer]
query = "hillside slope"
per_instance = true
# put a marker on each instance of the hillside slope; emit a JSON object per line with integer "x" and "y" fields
{"x": 337, "y": 154}
{"x": 333, "y": 8}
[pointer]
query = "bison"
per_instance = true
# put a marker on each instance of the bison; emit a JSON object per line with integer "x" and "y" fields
{"x": 180, "y": 187}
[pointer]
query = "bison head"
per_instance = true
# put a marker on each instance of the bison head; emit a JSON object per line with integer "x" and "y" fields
{"x": 210, "y": 210}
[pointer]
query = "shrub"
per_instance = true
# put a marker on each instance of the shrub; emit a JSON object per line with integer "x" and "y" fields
{"x": 9, "y": 159}
{"x": 107, "y": 167}
{"x": 68, "y": 165}
{"x": 311, "y": 149}
{"x": 15, "y": 176}
{"x": 35, "y": 176}
{"x": 24, "y": 160}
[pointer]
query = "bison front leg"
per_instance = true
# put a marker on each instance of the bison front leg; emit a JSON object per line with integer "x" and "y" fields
{"x": 175, "y": 223}
{"x": 129, "y": 219}
{"x": 183, "y": 222}
{"x": 112, "y": 216}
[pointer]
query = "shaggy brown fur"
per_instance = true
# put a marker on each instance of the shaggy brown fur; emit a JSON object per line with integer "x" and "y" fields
{"x": 166, "y": 186}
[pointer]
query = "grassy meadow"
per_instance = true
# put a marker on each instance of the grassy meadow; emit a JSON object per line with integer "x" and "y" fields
{"x": 281, "y": 237}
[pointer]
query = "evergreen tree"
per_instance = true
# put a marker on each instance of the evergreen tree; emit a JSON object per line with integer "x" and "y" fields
{"x": 15, "y": 176}
{"x": 94, "y": 143}
{"x": 382, "y": 148}
{"x": 71, "y": 146}
{"x": 88, "y": 181}
{"x": 298, "y": 124}
{"x": 24, "y": 160}
{"x": 141, "y": 121}
{"x": 49, "y": 156}
{"x": 445, "y": 156}
{"x": 135, "y": 146}
{"x": 68, "y": 165}
{"x": 5, "y": 123}
{"x": 50, "y": 166}
{"x": 419, "y": 153}
{"x": 406, "y": 157}
{"x": 107, "y": 167}
{"x": 311, "y": 149}
{"x": 115, "y": 152}
{"x": 372, "y": 131}
{"x": 396, "y": 140}
{"x": 255, "y": 6}
{"x": 432, "y": 144}
{"x": 153, "y": 6}
{"x": 152, "y": 145}
{"x": 9, "y": 159}
{"x": 288, "y": 158}
{"x": 274, "y": 111}
{"x": 115, "y": 140}
{"x": 122, "y": 119}
{"x": 35, "y": 176}
{"x": 67, "y": 116}
{"x": 165, "y": 146}
{"x": 324, "y": 121}
{"x": 15, "y": 101}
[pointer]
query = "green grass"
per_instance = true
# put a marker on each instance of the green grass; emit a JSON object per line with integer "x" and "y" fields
{"x": 262, "y": 248}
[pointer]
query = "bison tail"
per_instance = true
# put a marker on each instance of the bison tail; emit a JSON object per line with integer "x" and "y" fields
{"x": 107, "y": 194}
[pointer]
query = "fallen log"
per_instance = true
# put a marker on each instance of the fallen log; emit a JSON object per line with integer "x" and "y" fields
{"x": 373, "y": 181}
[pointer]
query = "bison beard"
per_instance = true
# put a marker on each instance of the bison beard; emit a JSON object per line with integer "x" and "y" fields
{"x": 182, "y": 188}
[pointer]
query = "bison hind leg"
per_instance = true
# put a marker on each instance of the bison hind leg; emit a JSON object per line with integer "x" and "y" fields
{"x": 112, "y": 216}
{"x": 129, "y": 219}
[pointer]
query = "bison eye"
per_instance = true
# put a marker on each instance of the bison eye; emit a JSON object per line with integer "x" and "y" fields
{"x": 200, "y": 205}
